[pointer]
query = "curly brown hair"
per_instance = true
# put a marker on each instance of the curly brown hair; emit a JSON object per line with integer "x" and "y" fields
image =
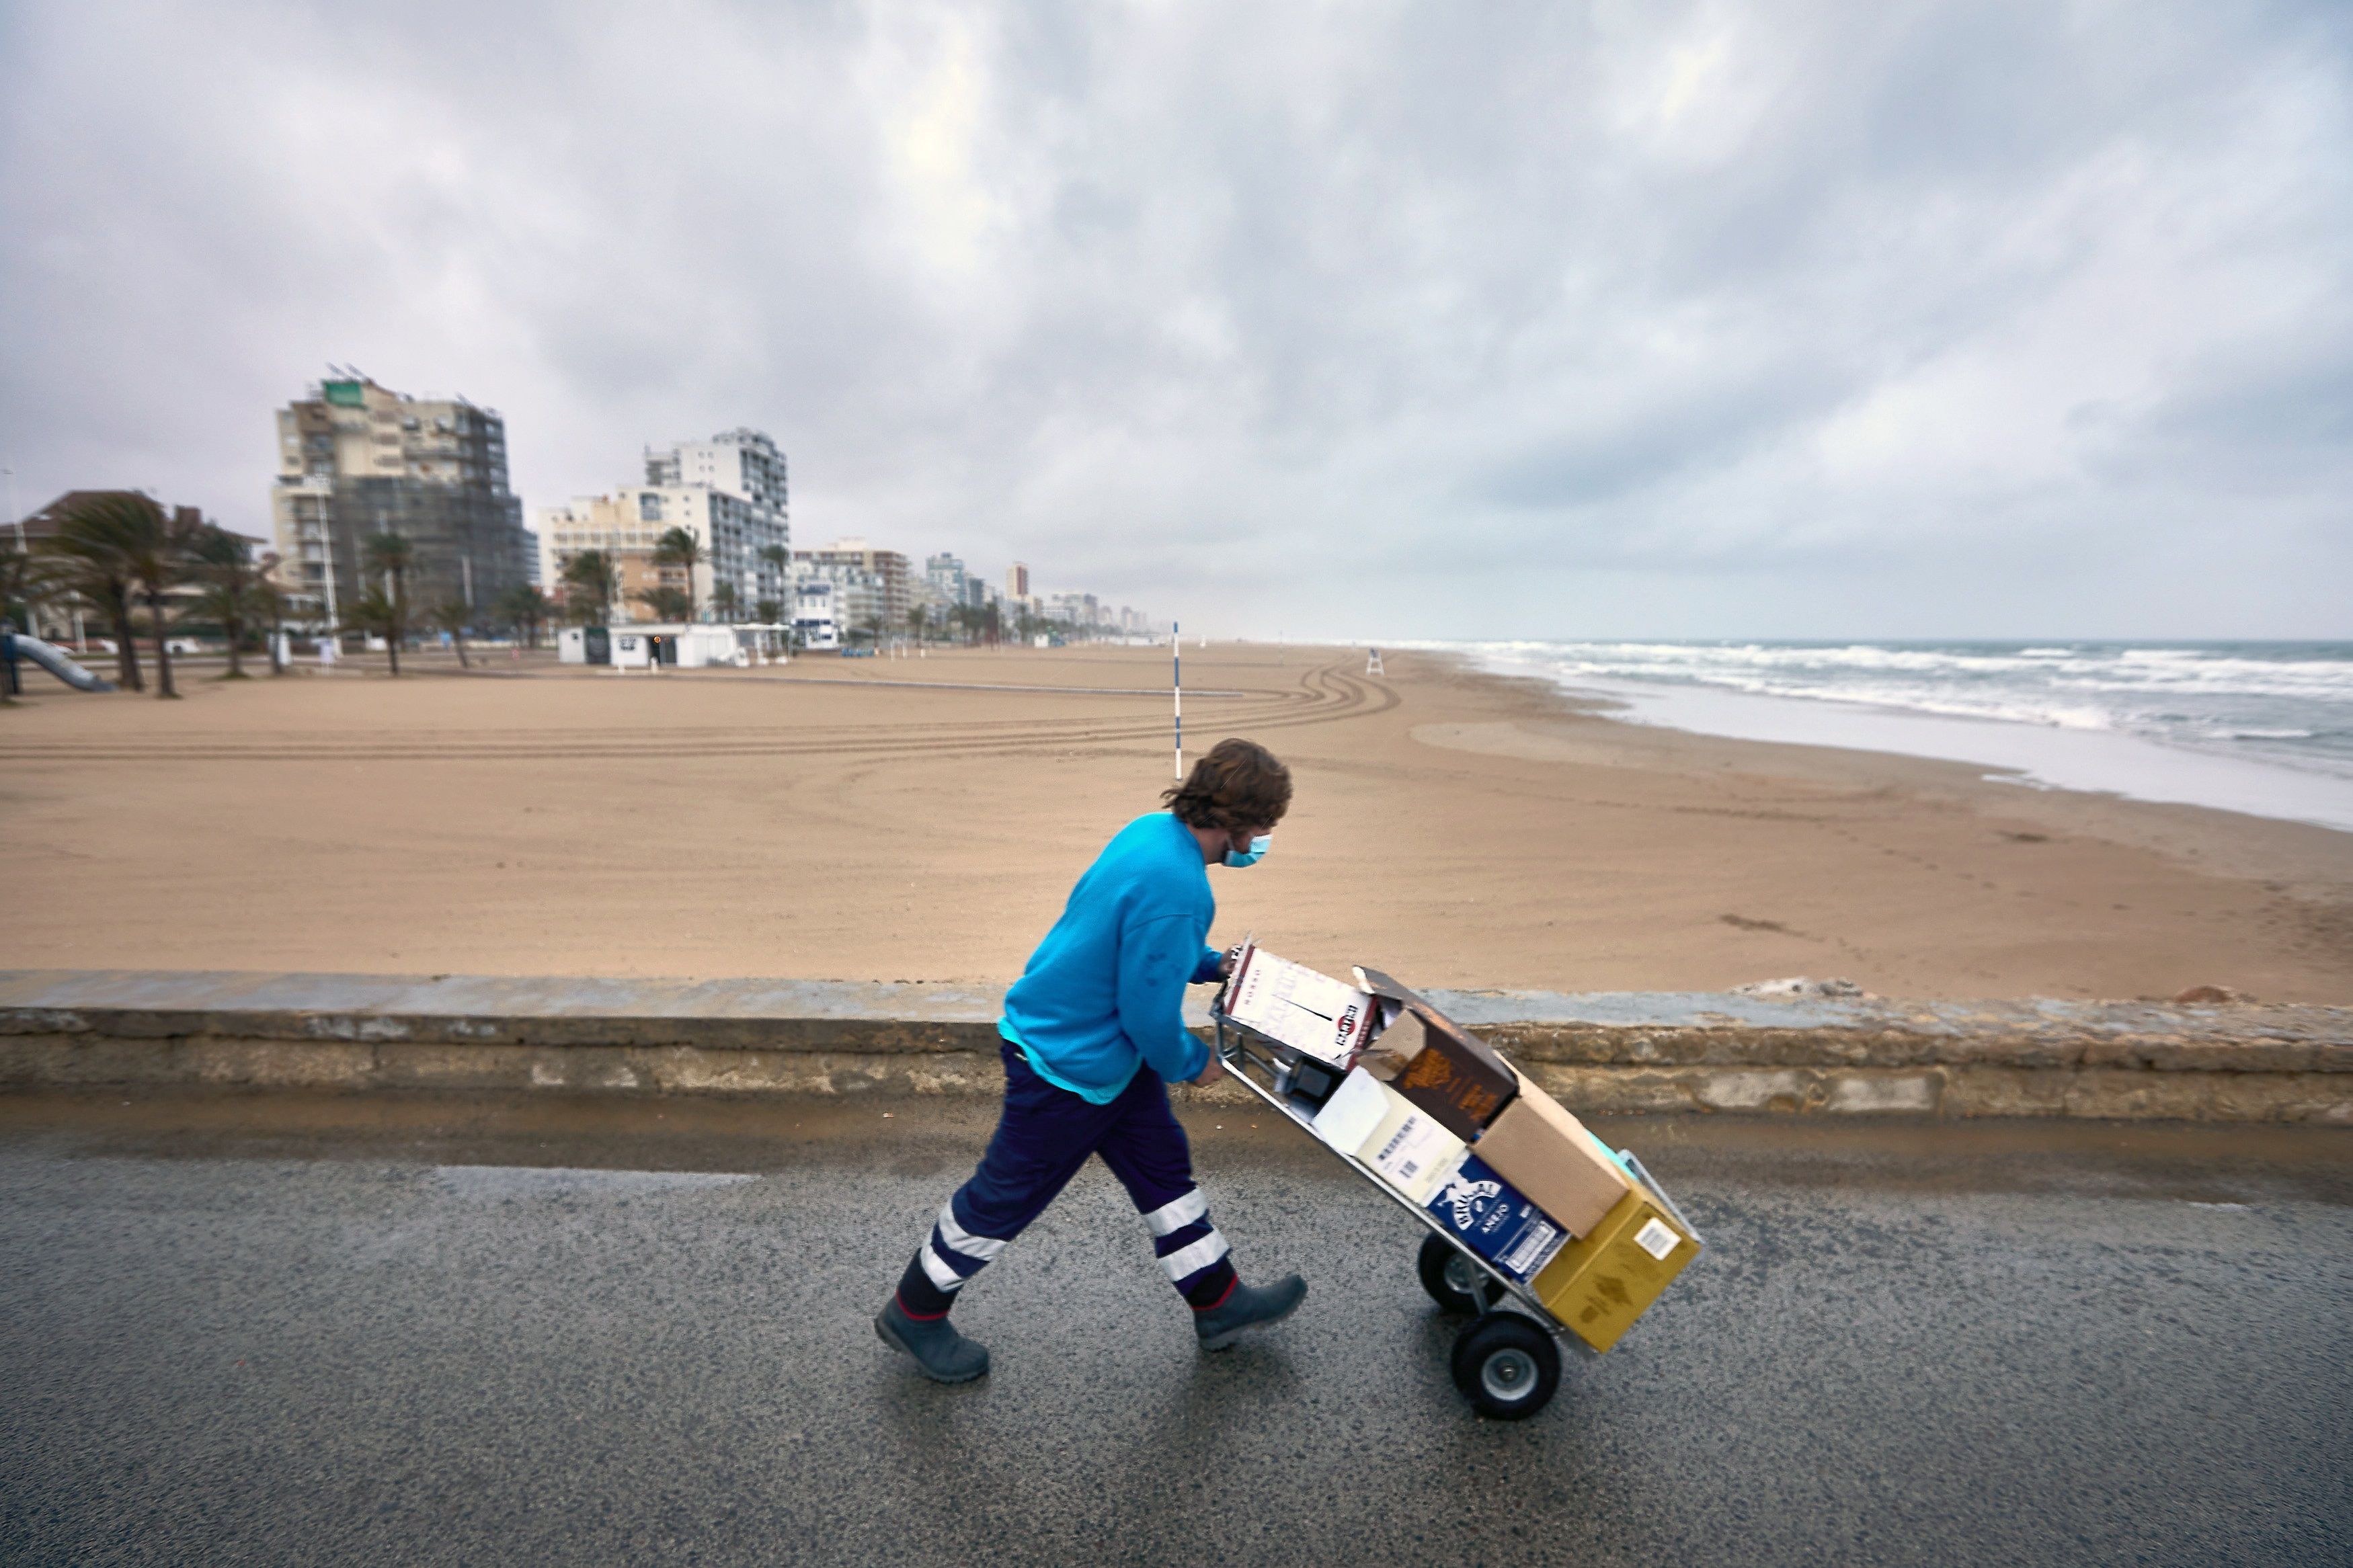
{"x": 1238, "y": 784}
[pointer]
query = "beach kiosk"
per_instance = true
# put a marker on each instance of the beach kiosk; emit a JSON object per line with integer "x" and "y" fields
{"x": 584, "y": 644}
{"x": 694, "y": 645}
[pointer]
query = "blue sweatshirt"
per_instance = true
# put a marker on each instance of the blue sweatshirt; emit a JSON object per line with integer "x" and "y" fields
{"x": 1104, "y": 993}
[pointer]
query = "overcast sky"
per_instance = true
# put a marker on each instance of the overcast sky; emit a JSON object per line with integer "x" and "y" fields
{"x": 1382, "y": 320}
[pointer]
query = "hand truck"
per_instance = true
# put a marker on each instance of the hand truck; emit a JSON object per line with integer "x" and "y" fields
{"x": 1506, "y": 1361}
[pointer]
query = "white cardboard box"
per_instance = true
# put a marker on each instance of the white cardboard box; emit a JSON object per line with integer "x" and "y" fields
{"x": 1292, "y": 1002}
{"x": 1407, "y": 1145}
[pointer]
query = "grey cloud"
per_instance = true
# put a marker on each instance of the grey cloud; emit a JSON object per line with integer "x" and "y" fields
{"x": 1612, "y": 451}
{"x": 2281, "y": 426}
{"x": 1532, "y": 319}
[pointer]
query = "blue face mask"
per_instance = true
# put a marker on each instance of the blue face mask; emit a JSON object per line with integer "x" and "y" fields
{"x": 1258, "y": 849}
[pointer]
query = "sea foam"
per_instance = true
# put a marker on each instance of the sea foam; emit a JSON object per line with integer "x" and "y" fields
{"x": 2266, "y": 728}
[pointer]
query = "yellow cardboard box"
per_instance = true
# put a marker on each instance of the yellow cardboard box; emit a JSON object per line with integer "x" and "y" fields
{"x": 1601, "y": 1283}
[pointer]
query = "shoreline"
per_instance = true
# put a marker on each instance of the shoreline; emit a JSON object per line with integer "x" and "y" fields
{"x": 2083, "y": 759}
{"x": 2307, "y": 860}
{"x": 1462, "y": 828}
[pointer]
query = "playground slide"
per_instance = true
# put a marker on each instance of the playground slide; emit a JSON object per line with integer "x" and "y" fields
{"x": 51, "y": 657}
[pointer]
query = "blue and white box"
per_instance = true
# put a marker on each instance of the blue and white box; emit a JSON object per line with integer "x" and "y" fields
{"x": 1490, "y": 1217}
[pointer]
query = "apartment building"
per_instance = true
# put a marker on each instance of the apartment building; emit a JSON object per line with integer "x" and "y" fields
{"x": 1079, "y": 611}
{"x": 858, "y": 600}
{"x": 943, "y": 579}
{"x": 728, "y": 493}
{"x": 355, "y": 458}
{"x": 849, "y": 563}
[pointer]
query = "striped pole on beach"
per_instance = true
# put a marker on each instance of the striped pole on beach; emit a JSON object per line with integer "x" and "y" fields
{"x": 1176, "y": 690}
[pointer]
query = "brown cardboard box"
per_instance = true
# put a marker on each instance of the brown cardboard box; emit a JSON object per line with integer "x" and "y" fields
{"x": 1382, "y": 986}
{"x": 1433, "y": 1062}
{"x": 1601, "y": 1283}
{"x": 1398, "y": 1043}
{"x": 1390, "y": 1001}
{"x": 1546, "y": 1152}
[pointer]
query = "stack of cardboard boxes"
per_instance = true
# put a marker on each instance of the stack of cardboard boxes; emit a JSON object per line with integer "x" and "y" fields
{"x": 1438, "y": 1115}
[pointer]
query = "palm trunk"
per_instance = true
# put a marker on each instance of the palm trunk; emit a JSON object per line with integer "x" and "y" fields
{"x": 236, "y": 630}
{"x": 277, "y": 632}
{"x": 163, "y": 645}
{"x": 126, "y": 651}
{"x": 458, "y": 638}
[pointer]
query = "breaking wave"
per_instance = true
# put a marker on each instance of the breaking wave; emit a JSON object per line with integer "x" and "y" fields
{"x": 2283, "y": 703}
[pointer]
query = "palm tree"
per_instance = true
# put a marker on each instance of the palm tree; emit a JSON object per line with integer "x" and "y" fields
{"x": 93, "y": 529}
{"x": 770, "y": 611}
{"x": 780, "y": 561}
{"x": 269, "y": 604}
{"x": 527, "y": 608}
{"x": 223, "y": 562}
{"x": 454, "y": 615}
{"x": 667, "y": 603}
{"x": 594, "y": 573}
{"x": 158, "y": 554}
{"x": 377, "y": 615}
{"x": 722, "y": 599}
{"x": 26, "y": 583}
{"x": 390, "y": 555}
{"x": 677, "y": 547}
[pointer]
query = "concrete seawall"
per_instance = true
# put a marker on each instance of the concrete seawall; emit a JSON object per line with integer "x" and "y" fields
{"x": 1615, "y": 1052}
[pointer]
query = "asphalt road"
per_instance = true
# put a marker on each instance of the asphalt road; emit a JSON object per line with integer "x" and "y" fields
{"x": 276, "y": 1331}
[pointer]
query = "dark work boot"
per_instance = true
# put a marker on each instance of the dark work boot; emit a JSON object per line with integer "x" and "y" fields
{"x": 1247, "y": 1306}
{"x": 942, "y": 1354}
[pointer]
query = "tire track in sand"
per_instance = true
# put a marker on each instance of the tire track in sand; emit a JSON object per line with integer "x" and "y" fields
{"x": 1326, "y": 694}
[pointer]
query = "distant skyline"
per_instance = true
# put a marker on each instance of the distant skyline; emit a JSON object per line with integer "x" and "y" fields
{"x": 1385, "y": 322}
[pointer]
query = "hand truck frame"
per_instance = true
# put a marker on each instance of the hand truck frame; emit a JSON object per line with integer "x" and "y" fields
{"x": 1506, "y": 1361}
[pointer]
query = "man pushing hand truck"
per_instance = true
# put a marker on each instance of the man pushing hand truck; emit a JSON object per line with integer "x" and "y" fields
{"x": 1093, "y": 1035}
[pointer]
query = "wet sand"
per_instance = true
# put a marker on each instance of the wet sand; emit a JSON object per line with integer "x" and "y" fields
{"x": 915, "y": 819}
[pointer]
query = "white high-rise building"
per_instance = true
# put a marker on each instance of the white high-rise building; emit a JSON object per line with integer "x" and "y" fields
{"x": 740, "y": 463}
{"x": 857, "y": 566}
{"x": 859, "y": 598}
{"x": 728, "y": 493}
{"x": 945, "y": 576}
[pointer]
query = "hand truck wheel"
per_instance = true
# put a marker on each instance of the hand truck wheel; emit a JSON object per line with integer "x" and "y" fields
{"x": 1459, "y": 1287}
{"x": 1506, "y": 1366}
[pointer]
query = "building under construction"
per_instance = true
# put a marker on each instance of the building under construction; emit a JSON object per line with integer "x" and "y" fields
{"x": 357, "y": 459}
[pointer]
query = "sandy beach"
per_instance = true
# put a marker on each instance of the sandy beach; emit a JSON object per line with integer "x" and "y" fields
{"x": 922, "y": 819}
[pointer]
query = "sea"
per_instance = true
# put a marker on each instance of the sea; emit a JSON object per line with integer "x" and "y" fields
{"x": 2263, "y": 728}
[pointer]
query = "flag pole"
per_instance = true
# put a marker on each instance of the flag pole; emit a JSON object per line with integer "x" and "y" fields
{"x": 1176, "y": 690}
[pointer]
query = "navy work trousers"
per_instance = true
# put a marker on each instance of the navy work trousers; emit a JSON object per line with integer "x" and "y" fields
{"x": 1042, "y": 1137}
